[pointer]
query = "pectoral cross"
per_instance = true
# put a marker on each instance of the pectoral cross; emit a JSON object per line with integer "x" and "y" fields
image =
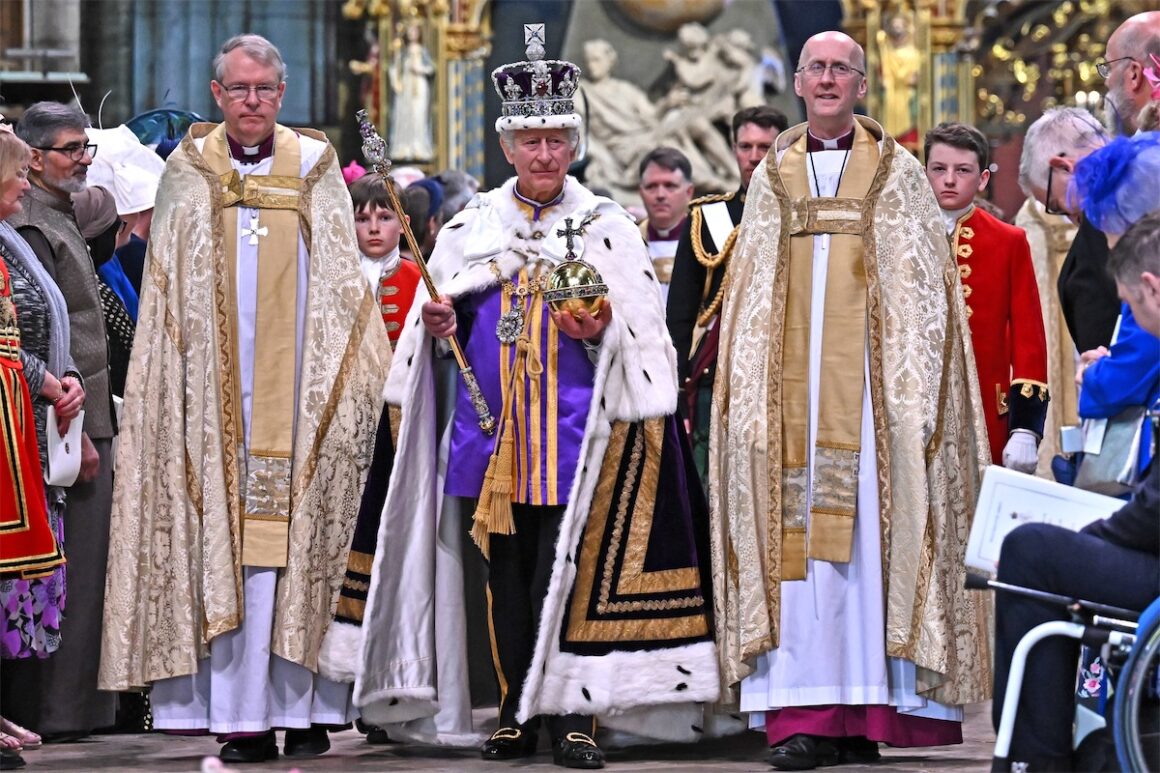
{"x": 254, "y": 231}
{"x": 569, "y": 233}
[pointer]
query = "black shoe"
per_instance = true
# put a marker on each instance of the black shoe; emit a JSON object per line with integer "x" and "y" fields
{"x": 11, "y": 760}
{"x": 509, "y": 743}
{"x": 258, "y": 748}
{"x": 857, "y": 750}
{"x": 376, "y": 736}
{"x": 804, "y": 752}
{"x": 577, "y": 750}
{"x": 306, "y": 743}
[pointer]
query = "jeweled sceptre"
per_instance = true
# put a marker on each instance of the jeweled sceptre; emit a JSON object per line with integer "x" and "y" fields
{"x": 374, "y": 149}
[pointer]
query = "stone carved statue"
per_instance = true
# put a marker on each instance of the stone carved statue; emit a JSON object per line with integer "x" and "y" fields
{"x": 410, "y": 78}
{"x": 714, "y": 76}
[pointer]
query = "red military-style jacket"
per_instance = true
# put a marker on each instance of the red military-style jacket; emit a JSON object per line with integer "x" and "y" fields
{"x": 1006, "y": 320}
{"x": 395, "y": 294}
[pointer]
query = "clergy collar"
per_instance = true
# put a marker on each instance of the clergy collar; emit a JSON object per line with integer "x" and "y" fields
{"x": 251, "y": 155}
{"x": 668, "y": 235}
{"x": 536, "y": 206}
{"x": 845, "y": 142}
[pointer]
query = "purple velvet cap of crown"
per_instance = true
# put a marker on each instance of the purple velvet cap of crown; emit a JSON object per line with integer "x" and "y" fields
{"x": 537, "y": 93}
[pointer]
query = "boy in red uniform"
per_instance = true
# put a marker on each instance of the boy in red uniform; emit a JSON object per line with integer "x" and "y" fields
{"x": 392, "y": 279}
{"x": 999, "y": 288}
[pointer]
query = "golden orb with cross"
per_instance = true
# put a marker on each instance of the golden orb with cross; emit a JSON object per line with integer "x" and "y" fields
{"x": 575, "y": 285}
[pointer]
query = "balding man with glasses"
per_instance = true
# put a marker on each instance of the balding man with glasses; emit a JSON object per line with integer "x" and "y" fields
{"x": 58, "y": 696}
{"x": 846, "y": 443}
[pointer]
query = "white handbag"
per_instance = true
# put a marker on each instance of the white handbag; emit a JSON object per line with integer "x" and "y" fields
{"x": 63, "y": 464}
{"x": 1112, "y": 453}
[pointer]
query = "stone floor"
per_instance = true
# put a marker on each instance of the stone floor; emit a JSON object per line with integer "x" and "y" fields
{"x": 351, "y": 753}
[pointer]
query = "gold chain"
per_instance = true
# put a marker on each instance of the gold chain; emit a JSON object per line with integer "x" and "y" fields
{"x": 533, "y": 286}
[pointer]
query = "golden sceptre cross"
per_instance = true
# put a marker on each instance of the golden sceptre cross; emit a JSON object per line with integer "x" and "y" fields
{"x": 374, "y": 149}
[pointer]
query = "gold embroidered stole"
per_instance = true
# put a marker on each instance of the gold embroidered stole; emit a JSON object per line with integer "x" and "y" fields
{"x": 266, "y": 498}
{"x": 841, "y": 382}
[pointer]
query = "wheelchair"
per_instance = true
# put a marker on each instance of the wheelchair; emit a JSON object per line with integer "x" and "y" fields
{"x": 1129, "y": 642}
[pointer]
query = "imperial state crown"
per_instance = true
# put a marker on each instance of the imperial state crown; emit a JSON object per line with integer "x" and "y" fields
{"x": 537, "y": 93}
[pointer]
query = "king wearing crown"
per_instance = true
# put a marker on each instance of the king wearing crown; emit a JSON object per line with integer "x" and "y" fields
{"x": 580, "y": 498}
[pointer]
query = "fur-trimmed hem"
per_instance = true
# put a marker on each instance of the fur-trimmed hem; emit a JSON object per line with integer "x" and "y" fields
{"x": 617, "y": 683}
{"x": 407, "y": 732}
{"x": 339, "y": 655}
{"x": 679, "y": 723}
{"x": 395, "y": 706}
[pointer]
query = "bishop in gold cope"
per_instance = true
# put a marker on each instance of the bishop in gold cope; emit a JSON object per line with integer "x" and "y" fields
{"x": 250, "y": 412}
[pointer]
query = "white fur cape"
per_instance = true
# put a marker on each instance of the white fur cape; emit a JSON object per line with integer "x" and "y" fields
{"x": 413, "y": 655}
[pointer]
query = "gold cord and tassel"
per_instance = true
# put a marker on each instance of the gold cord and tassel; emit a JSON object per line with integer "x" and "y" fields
{"x": 493, "y": 513}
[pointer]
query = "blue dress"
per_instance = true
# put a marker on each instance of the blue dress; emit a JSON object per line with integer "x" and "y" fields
{"x": 1129, "y": 376}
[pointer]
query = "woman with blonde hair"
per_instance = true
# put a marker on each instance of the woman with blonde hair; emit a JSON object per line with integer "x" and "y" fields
{"x": 36, "y": 372}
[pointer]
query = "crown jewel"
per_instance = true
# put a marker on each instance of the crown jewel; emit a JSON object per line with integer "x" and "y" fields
{"x": 537, "y": 93}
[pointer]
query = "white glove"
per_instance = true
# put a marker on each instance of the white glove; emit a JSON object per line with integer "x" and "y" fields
{"x": 1021, "y": 452}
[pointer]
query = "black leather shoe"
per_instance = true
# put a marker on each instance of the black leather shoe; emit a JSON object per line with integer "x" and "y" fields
{"x": 376, "y": 736}
{"x": 306, "y": 743}
{"x": 258, "y": 748}
{"x": 804, "y": 752}
{"x": 11, "y": 760}
{"x": 857, "y": 750}
{"x": 577, "y": 750}
{"x": 508, "y": 743}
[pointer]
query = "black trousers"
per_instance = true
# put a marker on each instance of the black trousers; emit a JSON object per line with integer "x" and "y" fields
{"x": 1079, "y": 565}
{"x": 517, "y": 582}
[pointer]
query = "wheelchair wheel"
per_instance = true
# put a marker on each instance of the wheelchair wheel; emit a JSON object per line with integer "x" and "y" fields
{"x": 1136, "y": 719}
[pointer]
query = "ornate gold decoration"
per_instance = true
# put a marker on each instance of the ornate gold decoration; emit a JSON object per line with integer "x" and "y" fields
{"x": 458, "y": 35}
{"x": 1030, "y": 56}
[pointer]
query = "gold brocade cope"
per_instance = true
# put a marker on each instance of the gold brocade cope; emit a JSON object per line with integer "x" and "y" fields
{"x": 267, "y": 492}
{"x": 830, "y": 491}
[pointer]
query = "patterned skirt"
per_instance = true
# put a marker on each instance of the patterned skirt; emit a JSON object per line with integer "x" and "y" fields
{"x": 31, "y": 610}
{"x": 28, "y": 547}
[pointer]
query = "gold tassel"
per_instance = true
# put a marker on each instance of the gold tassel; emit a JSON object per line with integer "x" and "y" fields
{"x": 493, "y": 513}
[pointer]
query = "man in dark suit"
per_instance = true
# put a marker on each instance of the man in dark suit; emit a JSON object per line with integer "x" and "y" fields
{"x": 696, "y": 291}
{"x": 1114, "y": 561}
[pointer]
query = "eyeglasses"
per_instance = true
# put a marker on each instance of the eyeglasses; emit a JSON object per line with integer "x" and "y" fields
{"x": 75, "y": 150}
{"x": 240, "y": 92}
{"x": 839, "y": 70}
{"x": 1104, "y": 68}
{"x": 1047, "y": 195}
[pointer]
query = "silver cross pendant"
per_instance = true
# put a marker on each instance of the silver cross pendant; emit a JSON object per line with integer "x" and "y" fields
{"x": 254, "y": 231}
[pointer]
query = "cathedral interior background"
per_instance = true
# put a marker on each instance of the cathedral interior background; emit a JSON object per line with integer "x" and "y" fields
{"x": 654, "y": 71}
